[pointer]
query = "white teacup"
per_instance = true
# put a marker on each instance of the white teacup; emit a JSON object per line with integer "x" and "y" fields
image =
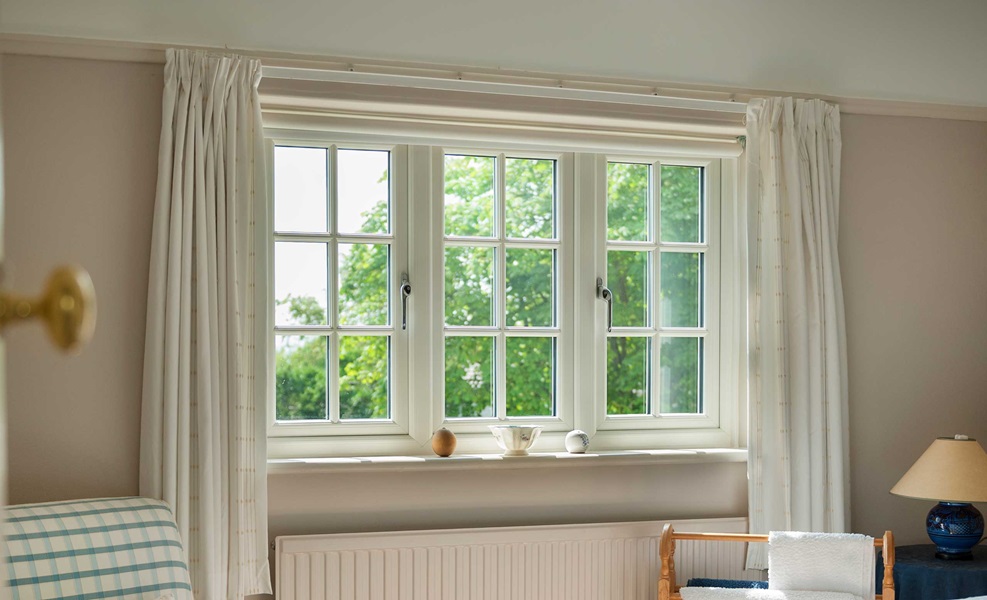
{"x": 515, "y": 439}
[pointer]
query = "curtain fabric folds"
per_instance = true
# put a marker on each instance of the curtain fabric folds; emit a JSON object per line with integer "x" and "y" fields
{"x": 798, "y": 449}
{"x": 203, "y": 434}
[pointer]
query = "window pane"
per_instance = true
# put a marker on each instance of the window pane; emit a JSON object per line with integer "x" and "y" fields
{"x": 681, "y": 375}
{"x": 469, "y": 195}
{"x": 469, "y": 286}
{"x": 363, "y": 276}
{"x": 300, "y": 189}
{"x": 300, "y": 377}
{"x": 364, "y": 375}
{"x": 530, "y": 287}
{"x": 628, "y": 279}
{"x": 300, "y": 276}
{"x": 681, "y": 192}
{"x": 530, "y": 201}
{"x": 681, "y": 292}
{"x": 470, "y": 377}
{"x": 627, "y": 202}
{"x": 530, "y": 377}
{"x": 362, "y": 191}
{"x": 627, "y": 375}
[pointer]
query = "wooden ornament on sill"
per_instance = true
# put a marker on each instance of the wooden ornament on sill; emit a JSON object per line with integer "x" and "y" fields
{"x": 443, "y": 442}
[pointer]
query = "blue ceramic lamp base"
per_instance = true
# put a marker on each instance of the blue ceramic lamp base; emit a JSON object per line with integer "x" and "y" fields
{"x": 955, "y": 528}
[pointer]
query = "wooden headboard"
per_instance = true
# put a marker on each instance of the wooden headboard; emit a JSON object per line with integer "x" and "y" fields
{"x": 668, "y": 590}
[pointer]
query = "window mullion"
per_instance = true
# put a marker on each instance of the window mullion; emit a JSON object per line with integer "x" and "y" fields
{"x": 452, "y": 242}
{"x": 412, "y": 205}
{"x": 671, "y": 332}
{"x": 332, "y": 188}
{"x": 332, "y": 279}
{"x": 434, "y": 256}
{"x": 500, "y": 194}
{"x": 591, "y": 226}
{"x": 500, "y": 264}
{"x": 654, "y": 201}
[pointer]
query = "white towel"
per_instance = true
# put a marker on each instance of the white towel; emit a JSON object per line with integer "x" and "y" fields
{"x": 698, "y": 593}
{"x": 824, "y": 562}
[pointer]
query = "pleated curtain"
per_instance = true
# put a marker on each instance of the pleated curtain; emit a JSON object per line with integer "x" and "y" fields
{"x": 798, "y": 477}
{"x": 203, "y": 436}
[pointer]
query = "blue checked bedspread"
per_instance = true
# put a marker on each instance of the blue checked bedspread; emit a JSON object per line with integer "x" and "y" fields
{"x": 94, "y": 549}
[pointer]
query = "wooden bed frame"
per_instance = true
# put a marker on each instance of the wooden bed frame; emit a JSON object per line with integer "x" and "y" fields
{"x": 667, "y": 590}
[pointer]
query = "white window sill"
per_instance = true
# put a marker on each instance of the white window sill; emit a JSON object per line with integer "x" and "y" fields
{"x": 497, "y": 461}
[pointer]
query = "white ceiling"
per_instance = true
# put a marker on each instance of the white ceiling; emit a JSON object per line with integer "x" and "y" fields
{"x": 928, "y": 51}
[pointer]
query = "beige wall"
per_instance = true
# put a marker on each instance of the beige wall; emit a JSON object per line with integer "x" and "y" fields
{"x": 904, "y": 49}
{"x": 480, "y": 497}
{"x": 81, "y": 162}
{"x": 81, "y": 141}
{"x": 913, "y": 250}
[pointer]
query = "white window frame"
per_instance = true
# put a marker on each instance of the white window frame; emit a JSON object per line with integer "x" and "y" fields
{"x": 398, "y": 422}
{"x": 563, "y": 420}
{"x": 710, "y": 329}
{"x": 417, "y": 395}
{"x": 713, "y": 427}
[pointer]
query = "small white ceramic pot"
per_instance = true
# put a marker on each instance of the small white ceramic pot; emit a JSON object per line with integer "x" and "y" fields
{"x": 515, "y": 439}
{"x": 576, "y": 441}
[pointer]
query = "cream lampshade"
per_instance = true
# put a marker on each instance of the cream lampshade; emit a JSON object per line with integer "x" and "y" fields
{"x": 952, "y": 471}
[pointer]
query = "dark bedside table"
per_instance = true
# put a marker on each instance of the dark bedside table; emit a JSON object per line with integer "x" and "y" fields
{"x": 919, "y": 575}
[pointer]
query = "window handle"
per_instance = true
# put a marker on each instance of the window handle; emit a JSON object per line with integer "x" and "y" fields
{"x": 604, "y": 293}
{"x": 405, "y": 292}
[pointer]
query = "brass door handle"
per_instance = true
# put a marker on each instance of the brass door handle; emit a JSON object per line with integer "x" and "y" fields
{"x": 67, "y": 306}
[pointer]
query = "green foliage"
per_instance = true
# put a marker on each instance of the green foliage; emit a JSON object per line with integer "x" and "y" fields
{"x": 469, "y": 195}
{"x": 469, "y": 376}
{"x": 529, "y": 198}
{"x": 629, "y": 280}
{"x": 300, "y": 377}
{"x": 681, "y": 377}
{"x": 627, "y": 375}
{"x": 300, "y": 362}
{"x": 363, "y": 377}
{"x": 680, "y": 193}
{"x": 469, "y": 284}
{"x": 530, "y": 376}
{"x": 304, "y": 310}
{"x": 469, "y": 280}
{"x": 627, "y": 202}
{"x": 628, "y": 277}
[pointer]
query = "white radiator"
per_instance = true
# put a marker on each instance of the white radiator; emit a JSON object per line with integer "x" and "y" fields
{"x": 617, "y": 561}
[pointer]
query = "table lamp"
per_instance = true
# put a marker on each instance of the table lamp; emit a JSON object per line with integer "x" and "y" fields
{"x": 952, "y": 471}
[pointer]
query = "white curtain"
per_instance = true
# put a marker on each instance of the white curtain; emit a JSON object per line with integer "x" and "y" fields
{"x": 203, "y": 436}
{"x": 798, "y": 478}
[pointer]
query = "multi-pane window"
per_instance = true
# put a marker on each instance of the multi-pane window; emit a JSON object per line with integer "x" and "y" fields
{"x": 415, "y": 287}
{"x": 656, "y": 261}
{"x": 333, "y": 315}
{"x": 501, "y": 253}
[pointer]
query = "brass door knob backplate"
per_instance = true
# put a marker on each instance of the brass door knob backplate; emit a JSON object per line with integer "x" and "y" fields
{"x": 67, "y": 306}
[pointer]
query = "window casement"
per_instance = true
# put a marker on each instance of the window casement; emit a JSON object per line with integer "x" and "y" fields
{"x": 506, "y": 328}
{"x": 657, "y": 267}
{"x": 504, "y": 247}
{"x": 658, "y": 374}
{"x": 339, "y": 247}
